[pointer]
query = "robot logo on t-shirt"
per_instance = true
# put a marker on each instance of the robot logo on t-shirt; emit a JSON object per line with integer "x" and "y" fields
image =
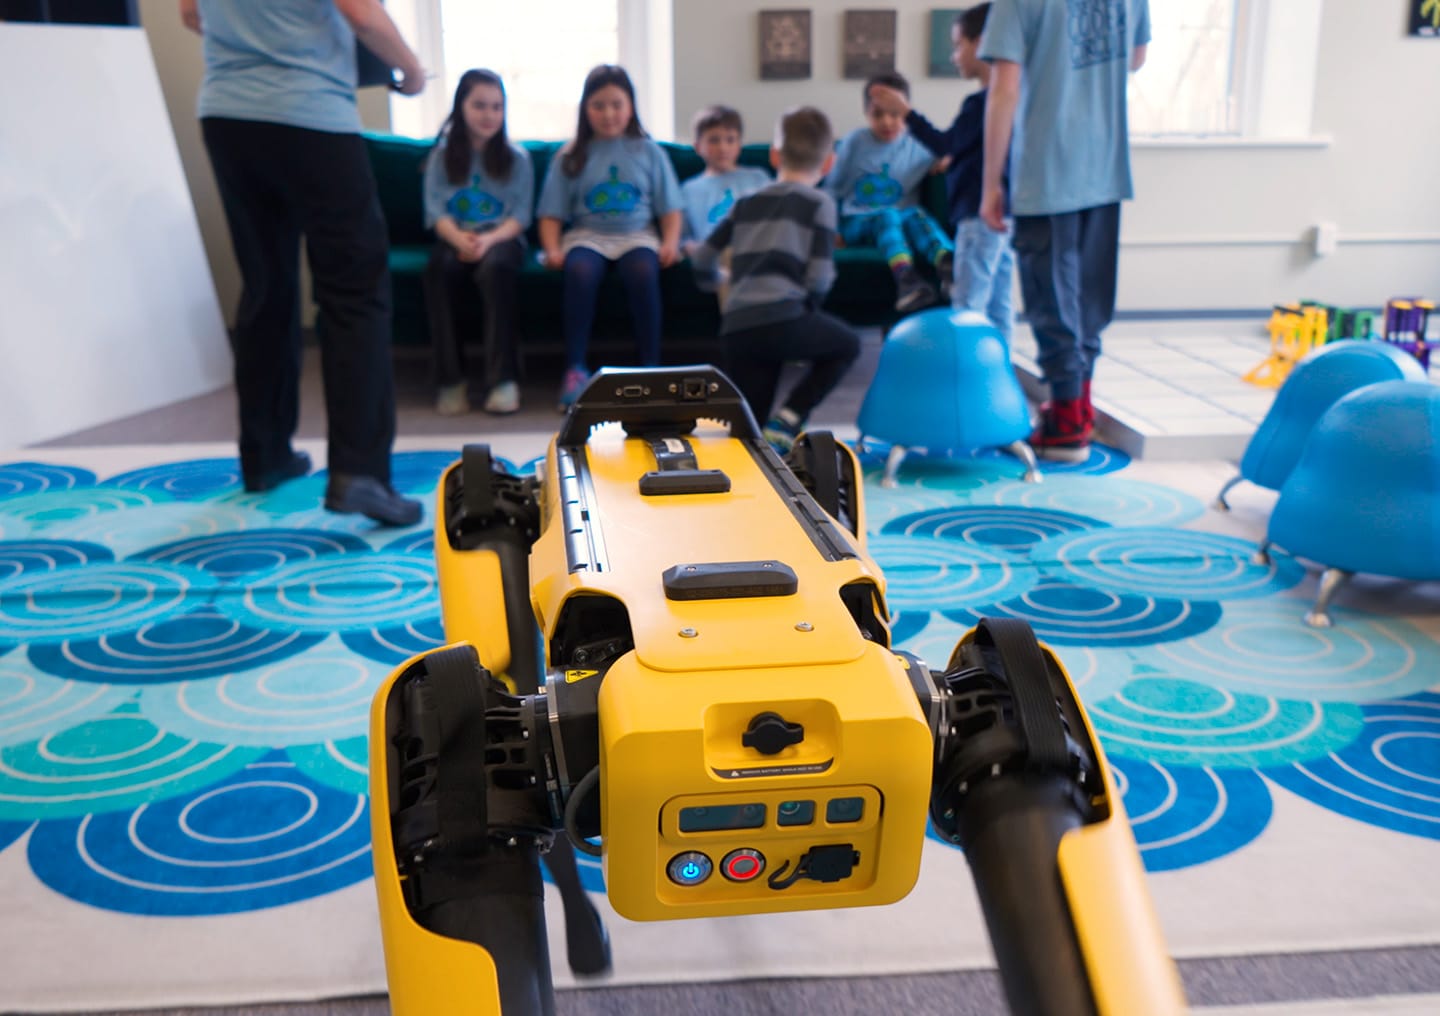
{"x": 721, "y": 208}
{"x": 614, "y": 196}
{"x": 1097, "y": 31}
{"x": 471, "y": 206}
{"x": 878, "y": 190}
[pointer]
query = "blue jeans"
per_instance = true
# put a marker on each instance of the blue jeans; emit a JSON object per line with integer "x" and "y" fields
{"x": 897, "y": 232}
{"x": 1067, "y": 277}
{"x": 585, "y": 270}
{"x": 984, "y": 268}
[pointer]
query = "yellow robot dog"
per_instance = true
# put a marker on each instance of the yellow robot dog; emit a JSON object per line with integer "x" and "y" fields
{"x": 719, "y": 706}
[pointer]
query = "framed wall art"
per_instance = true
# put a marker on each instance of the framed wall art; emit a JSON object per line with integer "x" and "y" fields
{"x": 942, "y": 20}
{"x": 1425, "y": 18}
{"x": 869, "y": 43}
{"x": 784, "y": 45}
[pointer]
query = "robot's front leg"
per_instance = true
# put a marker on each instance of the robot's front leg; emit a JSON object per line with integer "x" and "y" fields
{"x": 1022, "y": 786}
{"x": 457, "y": 838}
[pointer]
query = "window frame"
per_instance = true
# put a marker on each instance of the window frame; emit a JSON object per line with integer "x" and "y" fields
{"x": 1275, "y": 60}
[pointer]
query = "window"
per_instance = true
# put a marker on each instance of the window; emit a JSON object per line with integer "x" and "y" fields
{"x": 1243, "y": 69}
{"x": 542, "y": 49}
{"x": 1188, "y": 83}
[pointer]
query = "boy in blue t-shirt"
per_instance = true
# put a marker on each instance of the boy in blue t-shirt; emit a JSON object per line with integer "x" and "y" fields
{"x": 879, "y": 169}
{"x": 709, "y": 197}
{"x": 984, "y": 261}
{"x": 1057, "y": 109}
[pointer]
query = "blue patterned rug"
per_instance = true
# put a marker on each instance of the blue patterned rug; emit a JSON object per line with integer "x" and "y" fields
{"x": 185, "y": 671}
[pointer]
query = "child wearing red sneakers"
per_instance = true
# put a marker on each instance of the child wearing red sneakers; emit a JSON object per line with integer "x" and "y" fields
{"x": 1069, "y": 172}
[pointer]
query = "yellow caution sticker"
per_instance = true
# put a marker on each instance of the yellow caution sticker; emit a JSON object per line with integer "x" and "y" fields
{"x": 571, "y": 676}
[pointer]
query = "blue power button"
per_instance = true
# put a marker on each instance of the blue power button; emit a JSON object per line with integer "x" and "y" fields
{"x": 689, "y": 868}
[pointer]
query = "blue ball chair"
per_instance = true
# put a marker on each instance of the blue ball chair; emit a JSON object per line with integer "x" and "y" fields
{"x": 944, "y": 383}
{"x": 1314, "y": 385}
{"x": 1365, "y": 495}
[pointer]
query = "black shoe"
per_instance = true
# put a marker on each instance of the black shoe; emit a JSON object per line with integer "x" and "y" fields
{"x": 913, "y": 292}
{"x": 367, "y": 496}
{"x": 297, "y": 466}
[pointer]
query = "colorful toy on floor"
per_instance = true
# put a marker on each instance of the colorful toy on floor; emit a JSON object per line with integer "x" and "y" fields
{"x": 1348, "y": 323}
{"x": 1295, "y": 329}
{"x": 1406, "y": 323}
{"x": 1365, "y": 495}
{"x": 945, "y": 383}
{"x": 1317, "y": 383}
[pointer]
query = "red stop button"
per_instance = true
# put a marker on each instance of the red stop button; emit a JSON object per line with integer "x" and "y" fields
{"x": 742, "y": 865}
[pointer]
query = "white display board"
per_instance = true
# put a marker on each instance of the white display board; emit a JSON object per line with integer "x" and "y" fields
{"x": 107, "y": 305}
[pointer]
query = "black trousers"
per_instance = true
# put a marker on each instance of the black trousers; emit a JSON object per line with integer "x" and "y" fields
{"x": 279, "y": 184}
{"x": 754, "y": 358}
{"x": 448, "y": 281}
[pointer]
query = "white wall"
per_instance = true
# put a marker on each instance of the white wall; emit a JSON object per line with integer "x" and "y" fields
{"x": 716, "y": 60}
{"x": 1213, "y": 227}
{"x": 106, "y": 302}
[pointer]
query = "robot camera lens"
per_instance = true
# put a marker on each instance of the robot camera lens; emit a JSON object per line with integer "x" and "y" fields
{"x": 845, "y": 809}
{"x": 793, "y": 813}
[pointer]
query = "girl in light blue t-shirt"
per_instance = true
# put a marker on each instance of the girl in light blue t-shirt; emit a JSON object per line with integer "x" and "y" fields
{"x": 604, "y": 195}
{"x": 478, "y": 193}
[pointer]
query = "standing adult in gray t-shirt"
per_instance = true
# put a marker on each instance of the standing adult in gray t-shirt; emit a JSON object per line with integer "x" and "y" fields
{"x": 278, "y": 115}
{"x": 1058, "y": 91}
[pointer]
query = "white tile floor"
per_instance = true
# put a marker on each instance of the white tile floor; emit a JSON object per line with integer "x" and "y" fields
{"x": 1172, "y": 390}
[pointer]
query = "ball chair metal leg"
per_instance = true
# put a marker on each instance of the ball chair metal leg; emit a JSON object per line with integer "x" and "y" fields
{"x": 1261, "y": 557}
{"x": 1220, "y": 503}
{"x": 1022, "y": 451}
{"x": 1330, "y": 583}
{"x": 892, "y": 465}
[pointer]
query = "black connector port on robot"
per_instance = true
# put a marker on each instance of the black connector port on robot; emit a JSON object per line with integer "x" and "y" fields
{"x": 830, "y": 862}
{"x": 693, "y": 389}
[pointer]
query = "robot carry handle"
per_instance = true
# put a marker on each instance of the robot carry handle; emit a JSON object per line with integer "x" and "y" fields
{"x": 656, "y": 399}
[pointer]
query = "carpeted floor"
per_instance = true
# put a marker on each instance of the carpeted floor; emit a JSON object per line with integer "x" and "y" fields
{"x": 184, "y": 671}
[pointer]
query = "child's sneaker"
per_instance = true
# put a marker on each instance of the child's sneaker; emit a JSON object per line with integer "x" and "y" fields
{"x": 912, "y": 291}
{"x": 503, "y": 398}
{"x": 781, "y": 430}
{"x": 452, "y": 400}
{"x": 573, "y": 384}
{"x": 945, "y": 267}
{"x": 1063, "y": 434}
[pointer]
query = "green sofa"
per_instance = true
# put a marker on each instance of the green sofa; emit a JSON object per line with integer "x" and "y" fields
{"x": 863, "y": 293}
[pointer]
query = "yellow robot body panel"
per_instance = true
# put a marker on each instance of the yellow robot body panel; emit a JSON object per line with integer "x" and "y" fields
{"x": 661, "y": 532}
{"x": 676, "y": 779}
{"x": 471, "y": 607}
{"x": 426, "y": 973}
{"x": 1119, "y": 932}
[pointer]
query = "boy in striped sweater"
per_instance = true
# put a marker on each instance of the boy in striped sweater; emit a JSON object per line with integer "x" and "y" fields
{"x": 781, "y": 241}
